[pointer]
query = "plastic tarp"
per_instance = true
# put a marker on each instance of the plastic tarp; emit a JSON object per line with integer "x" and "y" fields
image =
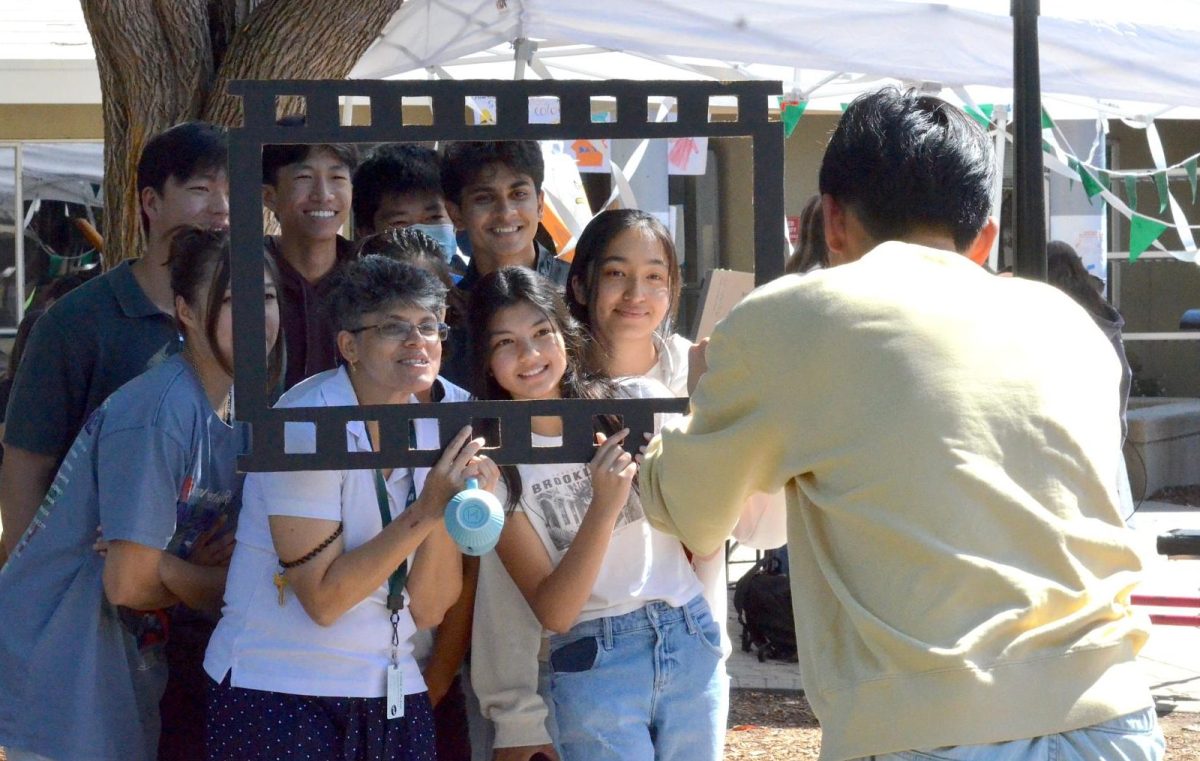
{"x": 1145, "y": 55}
{"x": 71, "y": 172}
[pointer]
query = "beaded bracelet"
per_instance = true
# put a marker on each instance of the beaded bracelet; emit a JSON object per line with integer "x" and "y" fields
{"x": 316, "y": 550}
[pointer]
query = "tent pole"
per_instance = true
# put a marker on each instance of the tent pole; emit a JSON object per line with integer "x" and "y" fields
{"x": 19, "y": 232}
{"x": 1029, "y": 191}
{"x": 1001, "y": 144}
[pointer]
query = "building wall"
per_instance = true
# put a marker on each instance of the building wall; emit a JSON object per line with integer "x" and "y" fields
{"x": 51, "y": 122}
{"x": 1152, "y": 294}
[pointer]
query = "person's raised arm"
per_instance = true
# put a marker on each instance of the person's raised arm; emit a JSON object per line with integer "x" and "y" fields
{"x": 24, "y": 480}
{"x": 698, "y": 472}
{"x": 334, "y": 580}
{"x": 435, "y": 580}
{"x": 557, "y": 594}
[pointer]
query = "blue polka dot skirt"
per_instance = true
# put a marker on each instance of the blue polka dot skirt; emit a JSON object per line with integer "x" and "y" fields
{"x": 256, "y": 725}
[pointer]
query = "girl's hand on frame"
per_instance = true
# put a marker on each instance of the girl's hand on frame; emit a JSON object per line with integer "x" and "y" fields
{"x": 612, "y": 470}
{"x": 486, "y": 470}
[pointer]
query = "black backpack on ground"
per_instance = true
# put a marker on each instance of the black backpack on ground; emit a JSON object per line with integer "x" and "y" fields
{"x": 763, "y": 601}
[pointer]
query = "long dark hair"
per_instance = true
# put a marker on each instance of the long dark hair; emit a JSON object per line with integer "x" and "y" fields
{"x": 811, "y": 250}
{"x": 594, "y": 242}
{"x": 510, "y": 286}
{"x": 1065, "y": 271}
{"x": 200, "y": 260}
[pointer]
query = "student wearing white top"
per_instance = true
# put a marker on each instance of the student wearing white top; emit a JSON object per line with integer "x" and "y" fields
{"x": 623, "y": 287}
{"x": 305, "y": 659}
{"x": 630, "y": 623}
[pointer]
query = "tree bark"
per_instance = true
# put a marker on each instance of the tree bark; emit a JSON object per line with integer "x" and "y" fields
{"x": 152, "y": 69}
{"x": 162, "y": 62}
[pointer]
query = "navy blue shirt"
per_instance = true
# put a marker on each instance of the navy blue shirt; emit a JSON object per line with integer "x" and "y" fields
{"x": 86, "y": 346}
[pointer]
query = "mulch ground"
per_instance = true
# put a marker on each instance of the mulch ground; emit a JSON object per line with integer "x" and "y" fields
{"x": 776, "y": 726}
{"x": 773, "y": 726}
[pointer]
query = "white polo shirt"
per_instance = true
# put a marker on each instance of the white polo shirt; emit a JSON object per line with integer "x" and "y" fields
{"x": 265, "y": 646}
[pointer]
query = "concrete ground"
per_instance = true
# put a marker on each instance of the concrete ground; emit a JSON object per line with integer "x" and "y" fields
{"x": 1171, "y": 657}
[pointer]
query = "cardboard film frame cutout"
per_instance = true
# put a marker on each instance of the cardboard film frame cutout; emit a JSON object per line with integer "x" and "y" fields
{"x": 449, "y": 99}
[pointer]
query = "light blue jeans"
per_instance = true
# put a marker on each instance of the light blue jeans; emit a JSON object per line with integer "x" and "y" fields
{"x": 646, "y": 685}
{"x": 1133, "y": 737}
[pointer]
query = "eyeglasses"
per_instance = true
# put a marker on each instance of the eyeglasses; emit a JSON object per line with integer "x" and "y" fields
{"x": 399, "y": 330}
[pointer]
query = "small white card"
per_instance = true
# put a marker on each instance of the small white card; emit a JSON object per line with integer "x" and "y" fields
{"x": 395, "y": 692}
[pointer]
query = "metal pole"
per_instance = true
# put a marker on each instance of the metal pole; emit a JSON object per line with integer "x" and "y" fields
{"x": 19, "y": 232}
{"x": 1029, "y": 191}
{"x": 1001, "y": 116}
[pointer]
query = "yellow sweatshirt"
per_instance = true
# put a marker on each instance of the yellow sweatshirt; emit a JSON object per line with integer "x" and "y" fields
{"x": 948, "y": 442}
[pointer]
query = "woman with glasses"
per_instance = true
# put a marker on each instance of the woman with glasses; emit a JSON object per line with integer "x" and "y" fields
{"x": 336, "y": 570}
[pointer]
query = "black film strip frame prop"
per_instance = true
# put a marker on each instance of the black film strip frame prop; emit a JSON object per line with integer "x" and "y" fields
{"x": 322, "y": 125}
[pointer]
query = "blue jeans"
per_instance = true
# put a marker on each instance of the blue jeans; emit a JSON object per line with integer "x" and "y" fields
{"x": 1133, "y": 737}
{"x": 646, "y": 685}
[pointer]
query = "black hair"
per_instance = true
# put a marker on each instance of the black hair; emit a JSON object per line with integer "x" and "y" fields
{"x": 393, "y": 168}
{"x": 179, "y": 153}
{"x": 1065, "y": 271}
{"x": 594, "y": 242}
{"x": 404, "y": 244}
{"x": 199, "y": 265}
{"x": 464, "y": 161}
{"x": 810, "y": 248}
{"x": 902, "y": 161}
{"x": 277, "y": 156}
{"x": 373, "y": 283}
{"x": 582, "y": 379}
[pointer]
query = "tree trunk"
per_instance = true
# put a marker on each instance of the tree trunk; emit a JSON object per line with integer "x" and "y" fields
{"x": 297, "y": 39}
{"x": 154, "y": 63}
{"x": 162, "y": 62}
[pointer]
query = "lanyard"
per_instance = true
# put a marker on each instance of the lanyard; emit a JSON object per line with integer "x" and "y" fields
{"x": 399, "y": 577}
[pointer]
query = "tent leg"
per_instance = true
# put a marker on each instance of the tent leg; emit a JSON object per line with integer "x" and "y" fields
{"x": 1029, "y": 192}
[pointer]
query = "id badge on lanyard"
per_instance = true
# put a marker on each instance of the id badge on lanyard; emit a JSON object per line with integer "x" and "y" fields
{"x": 395, "y": 598}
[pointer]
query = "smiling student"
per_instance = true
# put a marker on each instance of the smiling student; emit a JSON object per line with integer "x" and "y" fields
{"x": 304, "y": 663}
{"x": 112, "y": 328}
{"x": 635, "y": 656}
{"x": 308, "y": 189}
{"x": 400, "y": 185}
{"x": 494, "y": 194}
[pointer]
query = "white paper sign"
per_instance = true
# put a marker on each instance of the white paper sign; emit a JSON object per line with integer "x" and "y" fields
{"x": 1085, "y": 233}
{"x": 592, "y": 156}
{"x": 687, "y": 155}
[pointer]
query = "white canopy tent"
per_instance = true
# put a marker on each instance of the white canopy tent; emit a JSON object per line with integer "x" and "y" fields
{"x": 1099, "y": 59}
{"x": 69, "y": 172}
{"x": 1109, "y": 57}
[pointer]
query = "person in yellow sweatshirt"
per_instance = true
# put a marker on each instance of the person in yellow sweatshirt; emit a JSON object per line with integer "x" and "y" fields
{"x": 948, "y": 444}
